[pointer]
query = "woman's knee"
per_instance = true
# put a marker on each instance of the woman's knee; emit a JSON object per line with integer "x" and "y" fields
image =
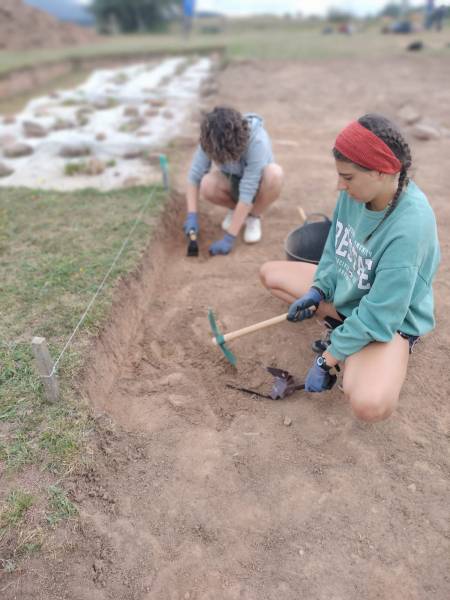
{"x": 273, "y": 176}
{"x": 266, "y": 274}
{"x": 208, "y": 187}
{"x": 371, "y": 405}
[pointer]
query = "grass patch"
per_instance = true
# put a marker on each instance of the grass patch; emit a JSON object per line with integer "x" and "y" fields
{"x": 17, "y": 504}
{"x": 55, "y": 250}
{"x": 60, "y": 506}
{"x": 17, "y": 537}
{"x": 75, "y": 168}
{"x": 275, "y": 39}
{"x": 114, "y": 47}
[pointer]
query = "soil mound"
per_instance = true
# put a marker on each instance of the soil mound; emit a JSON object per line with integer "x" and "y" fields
{"x": 23, "y": 27}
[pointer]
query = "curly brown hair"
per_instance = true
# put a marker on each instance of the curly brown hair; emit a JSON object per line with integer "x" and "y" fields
{"x": 392, "y": 137}
{"x": 224, "y": 135}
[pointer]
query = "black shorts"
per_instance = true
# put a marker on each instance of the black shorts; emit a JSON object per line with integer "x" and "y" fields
{"x": 412, "y": 339}
{"x": 235, "y": 182}
{"x": 234, "y": 186}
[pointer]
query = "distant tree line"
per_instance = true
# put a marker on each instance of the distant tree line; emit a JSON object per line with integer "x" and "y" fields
{"x": 129, "y": 16}
{"x": 392, "y": 9}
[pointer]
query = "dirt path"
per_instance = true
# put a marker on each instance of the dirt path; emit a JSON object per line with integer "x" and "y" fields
{"x": 210, "y": 495}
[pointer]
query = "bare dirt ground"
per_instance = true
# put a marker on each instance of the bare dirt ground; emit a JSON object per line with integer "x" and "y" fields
{"x": 46, "y": 32}
{"x": 199, "y": 492}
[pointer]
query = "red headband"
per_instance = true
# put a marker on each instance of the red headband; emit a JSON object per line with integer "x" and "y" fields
{"x": 364, "y": 148}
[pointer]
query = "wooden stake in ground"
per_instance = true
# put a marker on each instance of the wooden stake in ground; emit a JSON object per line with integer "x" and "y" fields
{"x": 45, "y": 368}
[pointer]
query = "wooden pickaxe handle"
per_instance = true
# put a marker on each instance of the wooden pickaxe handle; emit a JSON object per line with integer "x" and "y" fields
{"x": 251, "y": 328}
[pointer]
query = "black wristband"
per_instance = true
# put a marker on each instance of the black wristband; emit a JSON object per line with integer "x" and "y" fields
{"x": 314, "y": 287}
{"x": 321, "y": 362}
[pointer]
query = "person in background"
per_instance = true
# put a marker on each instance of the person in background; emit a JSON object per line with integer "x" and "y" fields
{"x": 373, "y": 283}
{"x": 233, "y": 167}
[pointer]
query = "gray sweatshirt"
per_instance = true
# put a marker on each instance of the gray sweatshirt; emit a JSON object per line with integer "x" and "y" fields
{"x": 249, "y": 167}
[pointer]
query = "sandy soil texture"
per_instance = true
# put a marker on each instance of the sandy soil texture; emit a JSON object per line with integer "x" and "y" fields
{"x": 200, "y": 492}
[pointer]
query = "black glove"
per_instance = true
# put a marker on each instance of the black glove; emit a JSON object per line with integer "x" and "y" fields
{"x": 301, "y": 308}
{"x": 319, "y": 377}
{"x": 191, "y": 223}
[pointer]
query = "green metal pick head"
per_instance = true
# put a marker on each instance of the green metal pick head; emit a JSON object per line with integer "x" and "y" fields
{"x": 229, "y": 355}
{"x": 219, "y": 338}
{"x": 212, "y": 323}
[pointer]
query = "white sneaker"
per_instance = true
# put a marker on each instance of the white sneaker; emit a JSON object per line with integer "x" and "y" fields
{"x": 227, "y": 220}
{"x": 252, "y": 233}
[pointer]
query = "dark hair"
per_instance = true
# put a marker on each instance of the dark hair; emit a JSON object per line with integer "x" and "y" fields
{"x": 392, "y": 137}
{"x": 224, "y": 134}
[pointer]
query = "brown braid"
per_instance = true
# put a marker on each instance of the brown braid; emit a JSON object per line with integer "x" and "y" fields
{"x": 224, "y": 135}
{"x": 392, "y": 137}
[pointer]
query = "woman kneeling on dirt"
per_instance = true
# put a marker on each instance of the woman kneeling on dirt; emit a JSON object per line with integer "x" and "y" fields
{"x": 373, "y": 282}
{"x": 245, "y": 179}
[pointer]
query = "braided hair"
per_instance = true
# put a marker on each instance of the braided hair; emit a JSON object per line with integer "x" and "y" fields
{"x": 392, "y": 137}
{"x": 224, "y": 135}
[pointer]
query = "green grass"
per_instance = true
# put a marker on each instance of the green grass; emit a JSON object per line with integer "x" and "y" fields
{"x": 60, "y": 507}
{"x": 17, "y": 504}
{"x": 55, "y": 249}
{"x": 271, "y": 39}
{"x": 75, "y": 168}
{"x": 115, "y": 47}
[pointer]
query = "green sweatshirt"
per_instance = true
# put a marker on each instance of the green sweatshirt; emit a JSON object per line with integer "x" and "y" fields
{"x": 382, "y": 285}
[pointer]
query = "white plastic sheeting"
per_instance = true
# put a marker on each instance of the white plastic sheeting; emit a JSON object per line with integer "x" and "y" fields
{"x": 115, "y": 112}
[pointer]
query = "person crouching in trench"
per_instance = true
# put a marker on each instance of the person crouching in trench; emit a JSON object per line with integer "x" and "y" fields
{"x": 244, "y": 178}
{"x": 373, "y": 284}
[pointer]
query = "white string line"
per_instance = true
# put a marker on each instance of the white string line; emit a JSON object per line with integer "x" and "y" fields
{"x": 100, "y": 287}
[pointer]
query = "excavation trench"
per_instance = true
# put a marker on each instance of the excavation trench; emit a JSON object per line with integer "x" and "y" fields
{"x": 155, "y": 358}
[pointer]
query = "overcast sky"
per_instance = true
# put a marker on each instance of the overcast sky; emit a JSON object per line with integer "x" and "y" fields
{"x": 306, "y": 7}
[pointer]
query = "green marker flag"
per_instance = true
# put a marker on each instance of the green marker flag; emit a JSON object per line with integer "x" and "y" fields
{"x": 164, "y": 164}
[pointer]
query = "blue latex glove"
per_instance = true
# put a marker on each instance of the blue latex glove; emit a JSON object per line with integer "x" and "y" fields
{"x": 301, "y": 308}
{"x": 319, "y": 378}
{"x": 223, "y": 246}
{"x": 191, "y": 223}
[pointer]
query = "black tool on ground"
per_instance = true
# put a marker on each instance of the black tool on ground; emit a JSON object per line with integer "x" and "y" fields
{"x": 192, "y": 249}
{"x": 247, "y": 391}
{"x": 283, "y": 385}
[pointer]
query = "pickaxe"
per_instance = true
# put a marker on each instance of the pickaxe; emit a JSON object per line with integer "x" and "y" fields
{"x": 220, "y": 339}
{"x": 284, "y": 385}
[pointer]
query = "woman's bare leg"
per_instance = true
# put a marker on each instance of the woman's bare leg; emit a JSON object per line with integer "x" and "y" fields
{"x": 215, "y": 187}
{"x": 288, "y": 280}
{"x": 269, "y": 190}
{"x": 374, "y": 376}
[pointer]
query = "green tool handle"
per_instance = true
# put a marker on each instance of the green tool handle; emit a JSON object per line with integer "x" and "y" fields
{"x": 250, "y": 329}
